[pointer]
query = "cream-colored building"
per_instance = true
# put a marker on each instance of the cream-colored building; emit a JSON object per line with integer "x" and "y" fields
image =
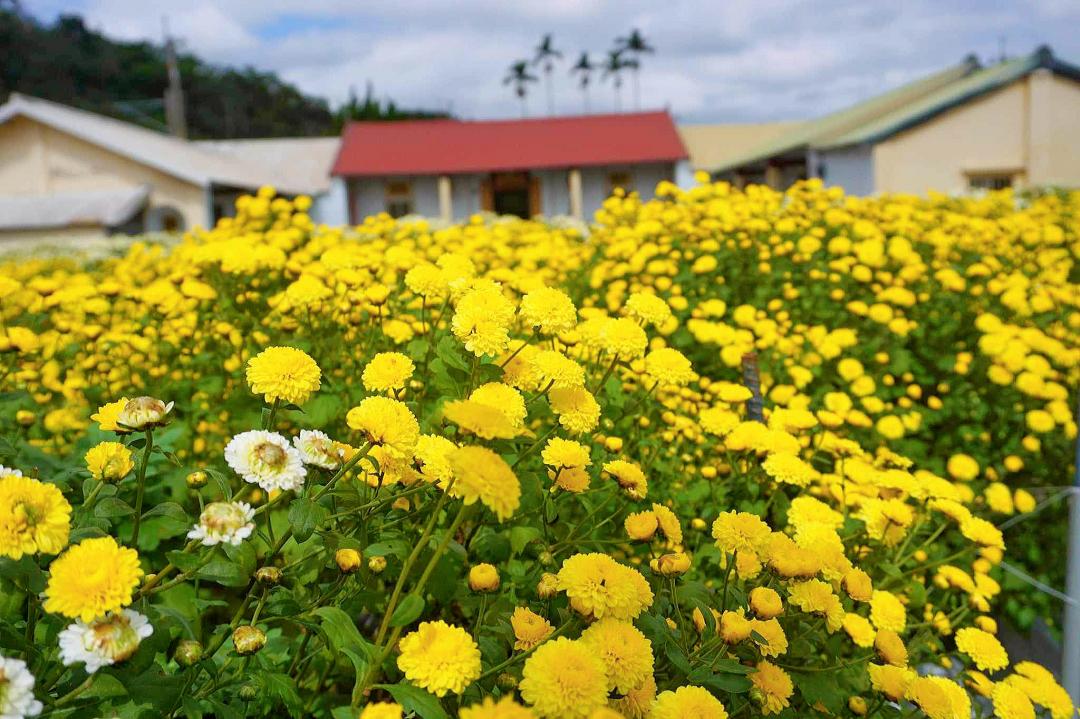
{"x": 71, "y": 175}
{"x": 968, "y": 127}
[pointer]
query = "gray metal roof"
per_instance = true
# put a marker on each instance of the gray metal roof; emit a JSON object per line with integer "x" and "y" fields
{"x": 201, "y": 164}
{"x": 101, "y": 208}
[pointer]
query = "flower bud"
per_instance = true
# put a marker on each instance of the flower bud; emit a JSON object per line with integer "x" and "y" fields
{"x": 547, "y": 587}
{"x": 188, "y": 653}
{"x": 483, "y": 578}
{"x": 196, "y": 480}
{"x": 506, "y": 681}
{"x": 248, "y": 639}
{"x": 347, "y": 560}
{"x": 857, "y": 705}
{"x": 248, "y": 692}
{"x": 143, "y": 413}
{"x": 377, "y": 564}
{"x": 25, "y": 417}
{"x": 268, "y": 576}
{"x": 546, "y": 558}
{"x": 671, "y": 565}
{"x": 765, "y": 603}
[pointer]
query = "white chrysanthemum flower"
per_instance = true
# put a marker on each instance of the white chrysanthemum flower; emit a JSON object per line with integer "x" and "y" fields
{"x": 224, "y": 523}
{"x": 317, "y": 449}
{"x": 266, "y": 459}
{"x": 10, "y": 471}
{"x": 105, "y": 641}
{"x": 17, "y": 690}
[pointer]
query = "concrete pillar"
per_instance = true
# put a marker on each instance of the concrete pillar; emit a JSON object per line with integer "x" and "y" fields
{"x": 446, "y": 202}
{"x": 772, "y": 176}
{"x": 577, "y": 204}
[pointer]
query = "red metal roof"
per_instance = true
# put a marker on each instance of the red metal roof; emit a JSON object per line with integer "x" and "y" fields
{"x": 438, "y": 147}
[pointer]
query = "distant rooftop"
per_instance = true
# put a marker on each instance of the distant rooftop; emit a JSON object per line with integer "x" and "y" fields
{"x": 436, "y": 147}
{"x": 892, "y": 112}
{"x": 235, "y": 163}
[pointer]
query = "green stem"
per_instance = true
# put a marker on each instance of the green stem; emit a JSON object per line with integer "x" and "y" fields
{"x": 88, "y": 502}
{"x": 141, "y": 487}
{"x": 269, "y": 421}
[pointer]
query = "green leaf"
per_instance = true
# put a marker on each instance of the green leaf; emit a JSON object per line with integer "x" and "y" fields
{"x": 342, "y": 635}
{"x": 395, "y": 547}
{"x": 406, "y": 613}
{"x": 449, "y": 351}
{"x": 225, "y": 573}
{"x": 521, "y": 536}
{"x": 183, "y": 561}
{"x": 305, "y": 516}
{"x": 280, "y": 688}
{"x": 112, "y": 507}
{"x": 414, "y": 699}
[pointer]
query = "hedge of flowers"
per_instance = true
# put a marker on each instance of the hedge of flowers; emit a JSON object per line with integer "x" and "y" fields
{"x": 731, "y": 454}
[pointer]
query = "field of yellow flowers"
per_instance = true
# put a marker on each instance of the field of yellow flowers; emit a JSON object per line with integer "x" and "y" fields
{"x": 501, "y": 470}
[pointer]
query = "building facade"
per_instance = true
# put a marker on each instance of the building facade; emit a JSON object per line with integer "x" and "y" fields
{"x": 1013, "y": 124}
{"x": 69, "y": 175}
{"x": 552, "y": 166}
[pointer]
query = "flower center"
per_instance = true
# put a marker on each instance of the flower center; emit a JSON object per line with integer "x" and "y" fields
{"x": 270, "y": 454}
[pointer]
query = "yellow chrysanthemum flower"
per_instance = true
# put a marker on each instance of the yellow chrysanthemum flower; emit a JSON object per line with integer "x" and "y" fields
{"x": 387, "y": 371}
{"x": 504, "y": 708}
{"x": 109, "y": 461}
{"x": 598, "y": 586}
{"x": 92, "y": 578}
{"x": 688, "y": 701}
{"x": 284, "y": 373}
{"x": 482, "y": 475}
{"x": 440, "y": 658}
{"x": 983, "y": 648}
{"x": 772, "y": 688}
{"x": 564, "y": 679}
{"x": 34, "y": 517}
{"x": 386, "y": 421}
{"x": 530, "y": 629}
{"x": 626, "y": 653}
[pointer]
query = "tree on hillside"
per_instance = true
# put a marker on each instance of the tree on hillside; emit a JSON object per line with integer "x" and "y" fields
{"x": 70, "y": 63}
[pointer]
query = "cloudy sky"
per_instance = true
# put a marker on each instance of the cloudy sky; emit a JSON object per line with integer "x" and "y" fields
{"x": 715, "y": 60}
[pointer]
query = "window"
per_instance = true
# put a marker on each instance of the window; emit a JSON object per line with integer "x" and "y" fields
{"x": 399, "y": 198}
{"x": 622, "y": 180}
{"x": 990, "y": 181}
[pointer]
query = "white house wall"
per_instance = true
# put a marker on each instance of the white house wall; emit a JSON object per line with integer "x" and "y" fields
{"x": 369, "y": 194}
{"x": 851, "y": 168}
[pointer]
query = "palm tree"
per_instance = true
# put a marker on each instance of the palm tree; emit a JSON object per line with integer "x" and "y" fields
{"x": 613, "y": 66}
{"x": 584, "y": 68}
{"x": 547, "y": 54}
{"x": 518, "y": 76}
{"x": 636, "y": 45}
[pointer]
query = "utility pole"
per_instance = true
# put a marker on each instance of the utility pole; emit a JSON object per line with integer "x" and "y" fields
{"x": 1070, "y": 660}
{"x": 175, "y": 117}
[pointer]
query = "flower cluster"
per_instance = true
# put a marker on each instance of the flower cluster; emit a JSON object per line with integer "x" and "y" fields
{"x": 741, "y": 453}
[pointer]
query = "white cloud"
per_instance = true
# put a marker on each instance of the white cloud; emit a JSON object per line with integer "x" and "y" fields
{"x": 736, "y": 60}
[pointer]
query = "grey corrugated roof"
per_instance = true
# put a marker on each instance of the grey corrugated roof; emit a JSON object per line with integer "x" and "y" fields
{"x": 957, "y": 93}
{"x": 885, "y": 115}
{"x": 306, "y": 161}
{"x": 101, "y": 208}
{"x": 191, "y": 161}
{"x": 812, "y": 132}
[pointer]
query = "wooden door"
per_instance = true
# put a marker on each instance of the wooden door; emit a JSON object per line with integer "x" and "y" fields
{"x": 487, "y": 196}
{"x": 534, "y": 196}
